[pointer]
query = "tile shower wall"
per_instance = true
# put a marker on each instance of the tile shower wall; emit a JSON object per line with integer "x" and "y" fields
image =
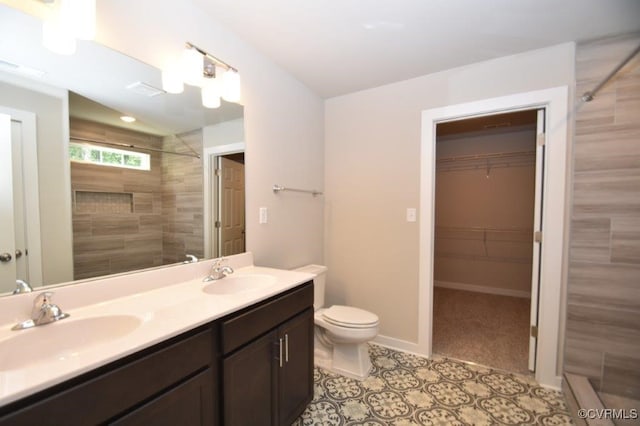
{"x": 603, "y": 312}
{"x": 182, "y": 198}
{"x": 117, "y": 213}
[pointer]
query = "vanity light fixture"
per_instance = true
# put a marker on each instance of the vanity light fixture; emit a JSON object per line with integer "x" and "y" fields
{"x": 216, "y": 78}
{"x": 71, "y": 20}
{"x": 128, "y": 119}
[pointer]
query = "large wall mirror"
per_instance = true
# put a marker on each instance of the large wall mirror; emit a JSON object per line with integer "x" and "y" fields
{"x": 85, "y": 194}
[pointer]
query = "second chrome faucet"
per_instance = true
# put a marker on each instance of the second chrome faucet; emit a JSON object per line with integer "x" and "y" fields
{"x": 218, "y": 271}
{"x": 43, "y": 312}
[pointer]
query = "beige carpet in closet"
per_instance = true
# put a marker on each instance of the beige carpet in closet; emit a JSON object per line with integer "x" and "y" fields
{"x": 487, "y": 329}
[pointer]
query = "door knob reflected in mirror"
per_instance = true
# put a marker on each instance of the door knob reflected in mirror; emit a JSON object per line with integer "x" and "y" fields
{"x": 5, "y": 257}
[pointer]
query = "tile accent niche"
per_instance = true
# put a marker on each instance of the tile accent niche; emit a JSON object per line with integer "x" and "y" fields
{"x": 603, "y": 310}
{"x": 125, "y": 219}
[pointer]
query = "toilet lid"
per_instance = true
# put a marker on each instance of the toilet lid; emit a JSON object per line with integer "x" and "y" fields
{"x": 347, "y": 316}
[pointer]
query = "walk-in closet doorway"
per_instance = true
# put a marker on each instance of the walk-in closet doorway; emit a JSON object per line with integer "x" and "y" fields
{"x": 553, "y": 220}
{"x": 485, "y": 204}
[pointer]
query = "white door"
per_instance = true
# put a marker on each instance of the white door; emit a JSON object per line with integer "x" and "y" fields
{"x": 231, "y": 207}
{"x": 537, "y": 240}
{"x": 20, "y": 246}
{"x": 8, "y": 273}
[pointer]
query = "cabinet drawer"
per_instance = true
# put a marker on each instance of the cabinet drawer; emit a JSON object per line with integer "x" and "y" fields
{"x": 255, "y": 321}
{"x": 100, "y": 398}
{"x": 188, "y": 404}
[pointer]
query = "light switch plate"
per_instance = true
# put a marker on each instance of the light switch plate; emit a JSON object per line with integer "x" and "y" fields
{"x": 264, "y": 215}
{"x": 411, "y": 214}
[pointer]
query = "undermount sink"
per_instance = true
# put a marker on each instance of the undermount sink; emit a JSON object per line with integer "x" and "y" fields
{"x": 62, "y": 340}
{"x": 233, "y": 284}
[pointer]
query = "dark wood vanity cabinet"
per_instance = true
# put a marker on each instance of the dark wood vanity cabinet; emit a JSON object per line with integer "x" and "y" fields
{"x": 252, "y": 367}
{"x": 170, "y": 383}
{"x": 268, "y": 361}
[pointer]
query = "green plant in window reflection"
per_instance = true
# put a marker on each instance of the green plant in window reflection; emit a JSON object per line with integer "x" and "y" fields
{"x": 111, "y": 157}
{"x": 132, "y": 160}
{"x": 76, "y": 153}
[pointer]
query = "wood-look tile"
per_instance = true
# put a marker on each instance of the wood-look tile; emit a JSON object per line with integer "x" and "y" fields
{"x": 590, "y": 240}
{"x": 628, "y": 102}
{"x": 603, "y": 291}
{"x": 621, "y": 375}
{"x": 114, "y": 225}
{"x": 97, "y": 244}
{"x": 615, "y": 286}
{"x": 625, "y": 241}
{"x": 607, "y": 147}
{"x": 130, "y": 261}
{"x": 613, "y": 192}
{"x": 582, "y": 358}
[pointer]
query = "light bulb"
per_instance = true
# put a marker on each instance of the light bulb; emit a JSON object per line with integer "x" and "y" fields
{"x": 211, "y": 93}
{"x": 80, "y": 16}
{"x": 172, "y": 79}
{"x": 57, "y": 36}
{"x": 231, "y": 86}
{"x": 192, "y": 66}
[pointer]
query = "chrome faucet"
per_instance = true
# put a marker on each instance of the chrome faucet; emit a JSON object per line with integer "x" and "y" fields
{"x": 43, "y": 312}
{"x": 190, "y": 258}
{"x": 218, "y": 271}
{"x": 22, "y": 287}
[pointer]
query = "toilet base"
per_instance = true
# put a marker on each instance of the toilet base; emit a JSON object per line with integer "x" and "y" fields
{"x": 348, "y": 359}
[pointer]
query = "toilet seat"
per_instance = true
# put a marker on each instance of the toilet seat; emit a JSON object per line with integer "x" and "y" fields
{"x": 349, "y": 317}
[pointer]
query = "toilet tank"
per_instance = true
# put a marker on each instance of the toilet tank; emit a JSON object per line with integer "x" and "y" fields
{"x": 319, "y": 280}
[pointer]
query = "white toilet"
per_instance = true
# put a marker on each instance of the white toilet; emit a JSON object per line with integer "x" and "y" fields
{"x": 341, "y": 332}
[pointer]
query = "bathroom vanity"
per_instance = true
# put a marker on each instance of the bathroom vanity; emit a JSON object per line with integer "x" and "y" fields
{"x": 248, "y": 365}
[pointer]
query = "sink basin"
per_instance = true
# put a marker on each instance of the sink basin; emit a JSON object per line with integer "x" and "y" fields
{"x": 239, "y": 284}
{"x": 62, "y": 340}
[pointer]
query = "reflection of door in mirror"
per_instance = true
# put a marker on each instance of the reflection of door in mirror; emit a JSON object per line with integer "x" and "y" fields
{"x": 231, "y": 214}
{"x": 19, "y": 206}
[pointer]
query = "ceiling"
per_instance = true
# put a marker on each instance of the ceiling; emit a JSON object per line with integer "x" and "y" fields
{"x": 111, "y": 83}
{"x": 342, "y": 46}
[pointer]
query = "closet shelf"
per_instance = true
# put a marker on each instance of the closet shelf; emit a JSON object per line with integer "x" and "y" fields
{"x": 485, "y": 243}
{"x": 486, "y": 161}
{"x": 524, "y": 235}
{"x": 484, "y": 157}
{"x": 483, "y": 258}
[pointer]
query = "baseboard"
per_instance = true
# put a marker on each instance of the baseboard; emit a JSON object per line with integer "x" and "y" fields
{"x": 483, "y": 289}
{"x": 398, "y": 344}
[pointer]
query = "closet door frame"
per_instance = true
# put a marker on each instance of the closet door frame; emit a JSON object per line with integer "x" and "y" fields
{"x": 554, "y": 251}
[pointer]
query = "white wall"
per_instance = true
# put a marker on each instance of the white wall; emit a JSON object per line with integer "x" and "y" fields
{"x": 372, "y": 155}
{"x": 283, "y": 120}
{"x": 52, "y": 129}
{"x": 225, "y": 133}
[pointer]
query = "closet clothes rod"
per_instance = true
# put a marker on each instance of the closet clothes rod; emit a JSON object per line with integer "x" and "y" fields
{"x": 277, "y": 188}
{"x": 498, "y": 155}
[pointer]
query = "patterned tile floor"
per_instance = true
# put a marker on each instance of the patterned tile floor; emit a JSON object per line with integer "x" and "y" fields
{"x": 405, "y": 389}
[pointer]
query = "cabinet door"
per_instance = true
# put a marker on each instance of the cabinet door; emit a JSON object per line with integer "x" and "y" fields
{"x": 249, "y": 377}
{"x": 188, "y": 404}
{"x": 295, "y": 377}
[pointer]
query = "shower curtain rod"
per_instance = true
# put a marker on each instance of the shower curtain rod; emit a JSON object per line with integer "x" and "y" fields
{"x": 128, "y": 145}
{"x": 588, "y": 96}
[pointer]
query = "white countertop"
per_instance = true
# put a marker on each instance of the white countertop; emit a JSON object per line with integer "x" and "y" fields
{"x": 161, "y": 303}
